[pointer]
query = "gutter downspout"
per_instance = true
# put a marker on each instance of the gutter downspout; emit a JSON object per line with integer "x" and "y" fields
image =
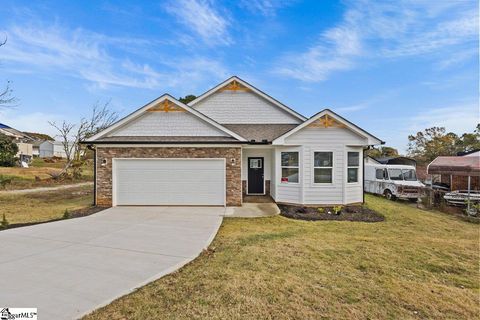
{"x": 91, "y": 147}
{"x": 363, "y": 173}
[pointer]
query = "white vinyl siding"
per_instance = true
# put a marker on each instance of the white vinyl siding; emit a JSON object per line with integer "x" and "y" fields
{"x": 354, "y": 191}
{"x": 336, "y": 140}
{"x": 168, "y": 181}
{"x": 273, "y": 180}
{"x": 168, "y": 124}
{"x": 228, "y": 107}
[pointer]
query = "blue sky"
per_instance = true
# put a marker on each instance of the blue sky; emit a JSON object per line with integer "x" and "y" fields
{"x": 392, "y": 67}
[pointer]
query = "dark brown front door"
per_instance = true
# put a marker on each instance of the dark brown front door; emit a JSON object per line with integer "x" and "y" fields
{"x": 255, "y": 176}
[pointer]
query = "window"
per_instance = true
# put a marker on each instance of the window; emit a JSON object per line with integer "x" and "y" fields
{"x": 395, "y": 174}
{"x": 255, "y": 163}
{"x": 353, "y": 163}
{"x": 409, "y": 175}
{"x": 289, "y": 167}
{"x": 381, "y": 174}
{"x": 323, "y": 167}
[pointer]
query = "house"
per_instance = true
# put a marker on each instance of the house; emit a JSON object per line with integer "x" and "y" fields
{"x": 22, "y": 140}
{"x": 48, "y": 149}
{"x": 459, "y": 172}
{"x": 36, "y": 147}
{"x": 231, "y": 141}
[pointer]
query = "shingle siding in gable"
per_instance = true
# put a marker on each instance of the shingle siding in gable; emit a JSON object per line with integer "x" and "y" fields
{"x": 239, "y": 107}
{"x": 168, "y": 124}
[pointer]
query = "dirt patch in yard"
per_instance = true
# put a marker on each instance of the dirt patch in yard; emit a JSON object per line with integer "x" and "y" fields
{"x": 348, "y": 213}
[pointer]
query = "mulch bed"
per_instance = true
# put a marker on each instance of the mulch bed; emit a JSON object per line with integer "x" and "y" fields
{"x": 348, "y": 213}
{"x": 72, "y": 214}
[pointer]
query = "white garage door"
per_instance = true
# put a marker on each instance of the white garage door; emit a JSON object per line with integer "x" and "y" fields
{"x": 168, "y": 182}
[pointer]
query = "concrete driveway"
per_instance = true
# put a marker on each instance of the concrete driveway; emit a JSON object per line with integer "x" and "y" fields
{"x": 68, "y": 268}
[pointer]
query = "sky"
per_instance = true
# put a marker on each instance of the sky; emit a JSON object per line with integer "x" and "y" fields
{"x": 391, "y": 67}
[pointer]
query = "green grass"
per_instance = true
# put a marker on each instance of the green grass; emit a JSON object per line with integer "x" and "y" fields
{"x": 44, "y": 206}
{"x": 415, "y": 265}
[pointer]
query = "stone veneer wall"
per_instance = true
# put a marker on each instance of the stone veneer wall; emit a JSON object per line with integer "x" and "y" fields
{"x": 233, "y": 171}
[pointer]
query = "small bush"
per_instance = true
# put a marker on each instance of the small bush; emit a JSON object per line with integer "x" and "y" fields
{"x": 337, "y": 210}
{"x": 320, "y": 210}
{"x": 4, "y": 180}
{"x": 67, "y": 214}
{"x": 4, "y": 224}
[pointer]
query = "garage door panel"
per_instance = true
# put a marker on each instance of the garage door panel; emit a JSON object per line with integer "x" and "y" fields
{"x": 169, "y": 182}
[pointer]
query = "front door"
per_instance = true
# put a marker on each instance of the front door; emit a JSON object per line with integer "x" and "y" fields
{"x": 255, "y": 176}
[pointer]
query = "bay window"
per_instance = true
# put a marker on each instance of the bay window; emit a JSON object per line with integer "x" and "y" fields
{"x": 323, "y": 167}
{"x": 353, "y": 165}
{"x": 290, "y": 168}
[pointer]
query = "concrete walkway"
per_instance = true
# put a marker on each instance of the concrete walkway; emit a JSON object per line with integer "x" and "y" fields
{"x": 253, "y": 210}
{"x": 43, "y": 189}
{"x": 67, "y": 269}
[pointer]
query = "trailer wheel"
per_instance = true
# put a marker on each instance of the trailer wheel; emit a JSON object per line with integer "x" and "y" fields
{"x": 389, "y": 196}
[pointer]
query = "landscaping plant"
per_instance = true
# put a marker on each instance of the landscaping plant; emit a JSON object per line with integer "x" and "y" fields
{"x": 8, "y": 150}
{"x": 4, "y": 224}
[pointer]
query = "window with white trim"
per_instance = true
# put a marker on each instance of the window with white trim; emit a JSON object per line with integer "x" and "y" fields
{"x": 353, "y": 165}
{"x": 289, "y": 164}
{"x": 322, "y": 167}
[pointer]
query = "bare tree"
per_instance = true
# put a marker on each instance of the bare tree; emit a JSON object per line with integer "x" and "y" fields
{"x": 6, "y": 98}
{"x": 72, "y": 134}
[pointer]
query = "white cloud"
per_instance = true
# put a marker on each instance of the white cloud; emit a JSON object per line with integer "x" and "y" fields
{"x": 375, "y": 100}
{"x": 78, "y": 53}
{"x": 388, "y": 30}
{"x": 202, "y": 18}
{"x": 89, "y": 56}
{"x": 264, "y": 7}
{"x": 458, "y": 118}
{"x": 30, "y": 122}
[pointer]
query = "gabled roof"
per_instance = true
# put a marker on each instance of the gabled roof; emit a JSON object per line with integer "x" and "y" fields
{"x": 9, "y": 131}
{"x": 371, "y": 139}
{"x": 142, "y": 110}
{"x": 455, "y": 165}
{"x": 253, "y": 89}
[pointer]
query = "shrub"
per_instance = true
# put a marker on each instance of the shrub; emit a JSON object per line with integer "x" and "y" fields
{"x": 337, "y": 209}
{"x": 4, "y": 224}
{"x": 8, "y": 150}
{"x": 67, "y": 214}
{"x": 4, "y": 180}
{"x": 320, "y": 210}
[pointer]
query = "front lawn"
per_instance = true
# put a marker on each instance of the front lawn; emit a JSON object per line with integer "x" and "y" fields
{"x": 414, "y": 265}
{"x": 44, "y": 206}
{"x": 39, "y": 175}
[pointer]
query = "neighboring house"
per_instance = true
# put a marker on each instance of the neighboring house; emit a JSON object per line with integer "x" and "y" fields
{"x": 36, "y": 147}
{"x": 25, "y": 152}
{"x": 457, "y": 171}
{"x": 48, "y": 149}
{"x": 230, "y": 141}
{"x": 23, "y": 141}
